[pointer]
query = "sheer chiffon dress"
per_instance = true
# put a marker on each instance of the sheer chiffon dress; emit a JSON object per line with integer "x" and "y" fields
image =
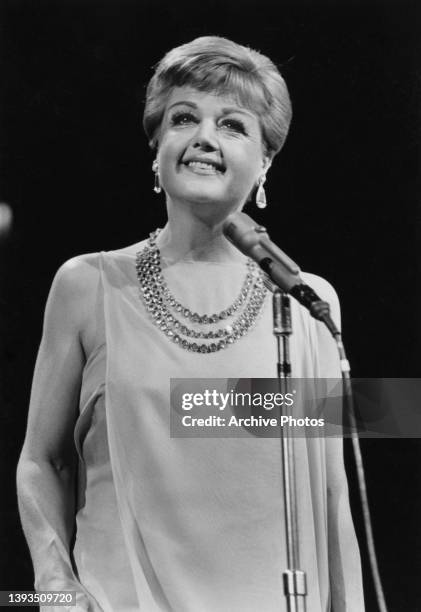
{"x": 190, "y": 525}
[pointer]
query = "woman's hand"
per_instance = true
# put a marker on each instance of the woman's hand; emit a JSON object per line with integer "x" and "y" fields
{"x": 84, "y": 603}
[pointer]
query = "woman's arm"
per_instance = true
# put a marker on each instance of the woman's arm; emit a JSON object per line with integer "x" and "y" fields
{"x": 344, "y": 556}
{"x": 47, "y": 466}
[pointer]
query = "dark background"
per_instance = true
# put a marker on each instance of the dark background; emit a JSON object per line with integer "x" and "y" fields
{"x": 343, "y": 195}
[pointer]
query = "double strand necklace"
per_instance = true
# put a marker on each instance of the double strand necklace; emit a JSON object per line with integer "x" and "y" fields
{"x": 164, "y": 308}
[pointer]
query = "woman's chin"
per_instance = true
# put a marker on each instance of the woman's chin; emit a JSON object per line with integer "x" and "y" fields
{"x": 204, "y": 196}
{"x": 210, "y": 205}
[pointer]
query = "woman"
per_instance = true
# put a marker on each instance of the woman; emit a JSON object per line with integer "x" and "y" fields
{"x": 167, "y": 523}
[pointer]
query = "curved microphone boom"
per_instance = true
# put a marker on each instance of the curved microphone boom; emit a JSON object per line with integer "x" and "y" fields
{"x": 253, "y": 240}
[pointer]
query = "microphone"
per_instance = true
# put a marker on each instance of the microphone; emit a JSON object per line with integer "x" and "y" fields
{"x": 254, "y": 241}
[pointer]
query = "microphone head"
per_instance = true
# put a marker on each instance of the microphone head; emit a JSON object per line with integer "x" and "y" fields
{"x": 242, "y": 231}
{"x": 248, "y": 236}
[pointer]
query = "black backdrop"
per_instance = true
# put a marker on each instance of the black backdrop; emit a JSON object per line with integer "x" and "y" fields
{"x": 75, "y": 167}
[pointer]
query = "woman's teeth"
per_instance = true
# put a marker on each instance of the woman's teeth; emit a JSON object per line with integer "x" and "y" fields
{"x": 209, "y": 168}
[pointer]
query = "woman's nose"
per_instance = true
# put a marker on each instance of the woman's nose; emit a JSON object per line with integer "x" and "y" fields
{"x": 205, "y": 136}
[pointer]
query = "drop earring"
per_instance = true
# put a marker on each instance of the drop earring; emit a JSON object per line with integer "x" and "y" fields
{"x": 260, "y": 194}
{"x": 157, "y": 185}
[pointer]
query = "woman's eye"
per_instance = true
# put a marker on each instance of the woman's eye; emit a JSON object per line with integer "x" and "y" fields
{"x": 182, "y": 118}
{"x": 234, "y": 125}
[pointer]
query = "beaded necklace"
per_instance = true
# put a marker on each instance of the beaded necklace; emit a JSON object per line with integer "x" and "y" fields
{"x": 164, "y": 309}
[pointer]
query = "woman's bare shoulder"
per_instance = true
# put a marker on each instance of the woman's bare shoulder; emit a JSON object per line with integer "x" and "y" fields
{"x": 74, "y": 292}
{"x": 132, "y": 249}
{"x": 78, "y": 275}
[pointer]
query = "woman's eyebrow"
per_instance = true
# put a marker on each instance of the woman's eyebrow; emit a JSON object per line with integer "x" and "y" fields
{"x": 183, "y": 103}
{"x": 235, "y": 109}
{"x": 226, "y": 110}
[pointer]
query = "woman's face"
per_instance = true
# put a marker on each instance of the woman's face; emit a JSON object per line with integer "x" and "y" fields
{"x": 210, "y": 149}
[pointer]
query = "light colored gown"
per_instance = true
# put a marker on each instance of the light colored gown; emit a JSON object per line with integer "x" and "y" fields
{"x": 190, "y": 525}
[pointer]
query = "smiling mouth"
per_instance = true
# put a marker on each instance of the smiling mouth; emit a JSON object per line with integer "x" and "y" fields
{"x": 201, "y": 167}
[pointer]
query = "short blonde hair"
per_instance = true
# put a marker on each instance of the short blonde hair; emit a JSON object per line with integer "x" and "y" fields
{"x": 218, "y": 65}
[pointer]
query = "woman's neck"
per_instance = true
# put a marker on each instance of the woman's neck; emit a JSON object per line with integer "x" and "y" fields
{"x": 190, "y": 237}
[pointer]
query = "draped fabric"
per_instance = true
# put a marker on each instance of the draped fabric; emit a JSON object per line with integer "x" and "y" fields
{"x": 190, "y": 525}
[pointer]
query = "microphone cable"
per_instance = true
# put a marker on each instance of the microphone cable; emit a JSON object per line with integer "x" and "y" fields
{"x": 320, "y": 310}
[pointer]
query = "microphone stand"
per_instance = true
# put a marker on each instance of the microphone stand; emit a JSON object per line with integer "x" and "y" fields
{"x": 294, "y": 579}
{"x": 253, "y": 241}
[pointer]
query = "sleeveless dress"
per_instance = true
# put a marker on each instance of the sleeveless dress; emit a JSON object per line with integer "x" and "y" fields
{"x": 190, "y": 525}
